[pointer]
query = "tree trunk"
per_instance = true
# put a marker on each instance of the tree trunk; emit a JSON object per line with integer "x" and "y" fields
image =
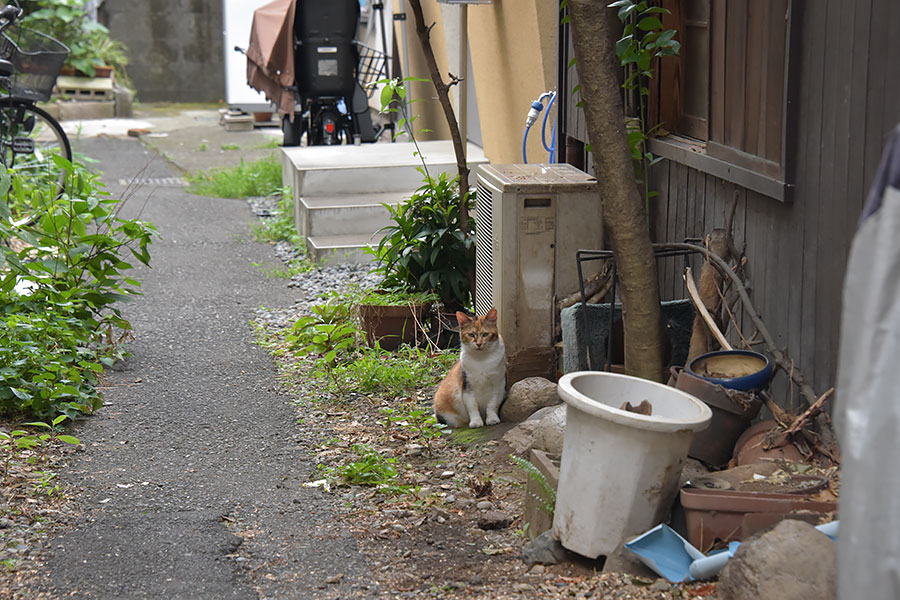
{"x": 594, "y": 33}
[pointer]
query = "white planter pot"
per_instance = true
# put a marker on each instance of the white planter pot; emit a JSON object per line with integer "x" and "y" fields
{"x": 619, "y": 471}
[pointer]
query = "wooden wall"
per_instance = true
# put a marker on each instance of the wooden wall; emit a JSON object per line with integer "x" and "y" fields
{"x": 844, "y": 100}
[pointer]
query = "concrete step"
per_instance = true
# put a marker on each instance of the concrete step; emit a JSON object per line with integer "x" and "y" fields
{"x": 339, "y": 249}
{"x": 345, "y": 213}
{"x": 381, "y": 167}
{"x": 338, "y": 190}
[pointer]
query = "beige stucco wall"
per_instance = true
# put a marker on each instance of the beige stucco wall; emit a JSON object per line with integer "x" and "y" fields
{"x": 426, "y": 107}
{"x": 513, "y": 48}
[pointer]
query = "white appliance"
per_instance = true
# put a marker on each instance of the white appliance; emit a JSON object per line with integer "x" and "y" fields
{"x": 530, "y": 220}
{"x": 238, "y": 19}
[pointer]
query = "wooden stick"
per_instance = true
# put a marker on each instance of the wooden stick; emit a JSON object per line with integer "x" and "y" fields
{"x": 701, "y": 308}
{"x": 778, "y": 355}
{"x": 816, "y": 406}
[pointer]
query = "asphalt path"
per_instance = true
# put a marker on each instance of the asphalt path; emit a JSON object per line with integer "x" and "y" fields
{"x": 196, "y": 443}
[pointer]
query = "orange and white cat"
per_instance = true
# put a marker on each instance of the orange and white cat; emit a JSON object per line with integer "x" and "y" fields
{"x": 474, "y": 388}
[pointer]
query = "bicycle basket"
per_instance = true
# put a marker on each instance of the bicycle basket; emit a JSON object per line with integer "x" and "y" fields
{"x": 36, "y": 58}
{"x": 371, "y": 67}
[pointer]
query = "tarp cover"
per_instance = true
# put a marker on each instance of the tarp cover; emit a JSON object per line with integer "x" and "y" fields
{"x": 270, "y": 54}
{"x": 867, "y": 414}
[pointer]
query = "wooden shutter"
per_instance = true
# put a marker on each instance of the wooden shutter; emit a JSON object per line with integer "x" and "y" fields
{"x": 747, "y": 83}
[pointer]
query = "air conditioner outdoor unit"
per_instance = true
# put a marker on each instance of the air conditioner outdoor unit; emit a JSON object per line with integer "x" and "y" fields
{"x": 530, "y": 221}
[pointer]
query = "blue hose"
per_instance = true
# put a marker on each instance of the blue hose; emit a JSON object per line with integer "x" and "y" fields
{"x": 544, "y": 126}
{"x": 524, "y": 141}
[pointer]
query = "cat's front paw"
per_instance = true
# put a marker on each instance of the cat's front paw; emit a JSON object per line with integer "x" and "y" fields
{"x": 476, "y": 422}
{"x": 492, "y": 420}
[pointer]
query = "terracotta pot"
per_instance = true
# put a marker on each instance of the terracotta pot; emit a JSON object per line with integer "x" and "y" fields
{"x": 391, "y": 326}
{"x": 726, "y": 515}
{"x": 751, "y": 446}
{"x": 732, "y": 413}
{"x": 101, "y": 72}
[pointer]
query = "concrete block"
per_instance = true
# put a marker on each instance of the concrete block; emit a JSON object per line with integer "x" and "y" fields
{"x": 85, "y": 88}
{"x": 586, "y": 333}
{"x": 84, "y": 110}
{"x": 536, "y": 515}
{"x": 124, "y": 99}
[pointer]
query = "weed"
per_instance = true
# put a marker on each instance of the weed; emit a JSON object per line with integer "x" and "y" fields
{"x": 546, "y": 496}
{"x": 418, "y": 420}
{"x": 229, "y": 147}
{"x": 202, "y": 147}
{"x": 271, "y": 143}
{"x": 257, "y": 178}
{"x": 370, "y": 468}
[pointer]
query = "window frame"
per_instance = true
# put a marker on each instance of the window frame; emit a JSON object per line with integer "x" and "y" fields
{"x": 751, "y": 170}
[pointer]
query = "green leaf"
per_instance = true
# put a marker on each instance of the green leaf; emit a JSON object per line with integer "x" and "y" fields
{"x": 649, "y": 24}
{"x": 68, "y": 439}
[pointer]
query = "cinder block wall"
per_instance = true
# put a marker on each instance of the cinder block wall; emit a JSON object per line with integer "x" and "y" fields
{"x": 175, "y": 47}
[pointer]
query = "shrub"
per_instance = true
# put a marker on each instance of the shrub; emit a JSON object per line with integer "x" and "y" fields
{"x": 57, "y": 289}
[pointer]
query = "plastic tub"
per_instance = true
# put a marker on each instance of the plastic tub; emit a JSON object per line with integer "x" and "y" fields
{"x": 619, "y": 471}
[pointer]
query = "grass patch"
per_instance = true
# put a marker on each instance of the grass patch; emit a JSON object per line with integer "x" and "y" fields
{"x": 258, "y": 178}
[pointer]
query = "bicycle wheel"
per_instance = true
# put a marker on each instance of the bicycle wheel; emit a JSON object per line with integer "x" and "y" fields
{"x": 29, "y": 138}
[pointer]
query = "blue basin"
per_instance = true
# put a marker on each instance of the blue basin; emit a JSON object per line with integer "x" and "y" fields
{"x": 742, "y": 370}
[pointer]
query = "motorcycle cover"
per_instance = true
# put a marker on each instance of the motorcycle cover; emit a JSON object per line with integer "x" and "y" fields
{"x": 270, "y": 54}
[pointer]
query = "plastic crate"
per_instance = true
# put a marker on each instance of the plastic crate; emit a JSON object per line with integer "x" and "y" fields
{"x": 36, "y": 58}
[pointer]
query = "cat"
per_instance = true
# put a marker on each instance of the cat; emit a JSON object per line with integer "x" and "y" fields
{"x": 475, "y": 387}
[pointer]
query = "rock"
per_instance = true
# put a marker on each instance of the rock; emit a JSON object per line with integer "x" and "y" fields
{"x": 464, "y": 502}
{"x": 537, "y": 416}
{"x": 527, "y": 396}
{"x": 414, "y": 449}
{"x": 520, "y": 438}
{"x": 449, "y": 498}
{"x": 6, "y": 523}
{"x": 448, "y": 474}
{"x": 622, "y": 560}
{"x": 334, "y": 579}
{"x": 485, "y": 505}
{"x": 791, "y": 561}
{"x": 550, "y": 431}
{"x": 660, "y": 585}
{"x": 522, "y": 587}
{"x": 494, "y": 519}
{"x": 544, "y": 550}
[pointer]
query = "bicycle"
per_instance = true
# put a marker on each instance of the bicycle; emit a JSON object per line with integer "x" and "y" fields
{"x": 30, "y": 137}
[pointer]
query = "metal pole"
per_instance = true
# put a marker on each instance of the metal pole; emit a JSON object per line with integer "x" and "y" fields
{"x": 462, "y": 109}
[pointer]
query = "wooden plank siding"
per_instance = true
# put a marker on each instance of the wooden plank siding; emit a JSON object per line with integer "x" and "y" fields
{"x": 842, "y": 103}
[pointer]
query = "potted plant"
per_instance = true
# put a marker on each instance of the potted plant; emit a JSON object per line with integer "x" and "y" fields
{"x": 393, "y": 317}
{"x": 425, "y": 248}
{"x": 92, "y": 53}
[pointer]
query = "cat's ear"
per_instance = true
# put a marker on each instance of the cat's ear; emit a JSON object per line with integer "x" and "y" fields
{"x": 491, "y": 316}
{"x": 462, "y": 318}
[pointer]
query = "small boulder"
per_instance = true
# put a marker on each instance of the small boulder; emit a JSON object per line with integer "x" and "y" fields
{"x": 549, "y": 434}
{"x": 527, "y": 396}
{"x": 520, "y": 438}
{"x": 792, "y": 561}
{"x": 544, "y": 550}
{"x": 494, "y": 519}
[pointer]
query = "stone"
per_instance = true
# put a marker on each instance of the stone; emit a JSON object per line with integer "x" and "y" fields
{"x": 544, "y": 550}
{"x": 494, "y": 519}
{"x": 660, "y": 585}
{"x": 622, "y": 560}
{"x": 540, "y": 414}
{"x": 520, "y": 438}
{"x": 549, "y": 434}
{"x": 485, "y": 505}
{"x": 527, "y": 396}
{"x": 448, "y": 474}
{"x": 792, "y": 561}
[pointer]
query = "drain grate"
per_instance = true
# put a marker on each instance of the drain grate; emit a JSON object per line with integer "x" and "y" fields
{"x": 155, "y": 181}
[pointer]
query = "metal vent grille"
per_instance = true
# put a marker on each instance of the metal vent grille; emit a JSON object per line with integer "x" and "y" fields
{"x": 484, "y": 250}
